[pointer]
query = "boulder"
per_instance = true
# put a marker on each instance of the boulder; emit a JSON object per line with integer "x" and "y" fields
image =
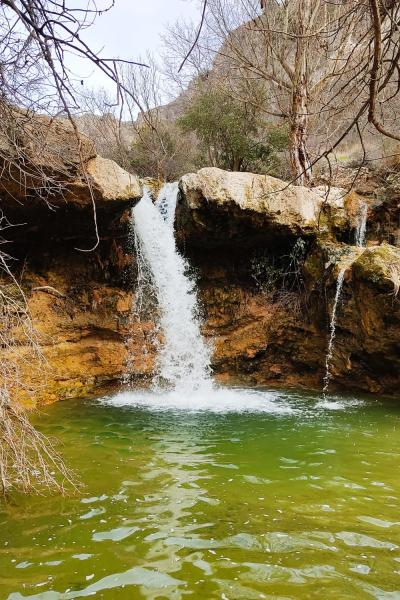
{"x": 109, "y": 183}
{"x": 341, "y": 207}
{"x": 47, "y": 162}
{"x": 217, "y": 205}
{"x": 379, "y": 267}
{"x": 367, "y": 344}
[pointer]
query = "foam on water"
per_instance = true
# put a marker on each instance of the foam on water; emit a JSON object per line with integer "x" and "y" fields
{"x": 217, "y": 400}
{"x": 231, "y": 400}
{"x": 335, "y": 403}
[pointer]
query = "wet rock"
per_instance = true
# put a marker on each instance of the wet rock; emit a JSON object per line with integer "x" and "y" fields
{"x": 274, "y": 334}
{"x": 82, "y": 322}
{"x": 367, "y": 349}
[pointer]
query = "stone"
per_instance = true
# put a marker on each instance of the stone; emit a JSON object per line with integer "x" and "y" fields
{"x": 49, "y": 163}
{"x": 81, "y": 302}
{"x": 219, "y": 205}
{"x": 85, "y": 333}
{"x": 112, "y": 182}
{"x": 380, "y": 265}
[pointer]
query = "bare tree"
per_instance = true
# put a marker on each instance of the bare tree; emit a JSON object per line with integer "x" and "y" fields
{"x": 28, "y": 460}
{"x": 103, "y": 123}
{"x": 147, "y": 142}
{"x": 318, "y": 61}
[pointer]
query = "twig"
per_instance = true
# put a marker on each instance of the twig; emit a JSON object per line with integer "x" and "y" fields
{"x": 49, "y": 289}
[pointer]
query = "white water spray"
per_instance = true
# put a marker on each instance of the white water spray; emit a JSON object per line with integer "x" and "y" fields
{"x": 183, "y": 361}
{"x": 361, "y": 228}
{"x": 332, "y": 328}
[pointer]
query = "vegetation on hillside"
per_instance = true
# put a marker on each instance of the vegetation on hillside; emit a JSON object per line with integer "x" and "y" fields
{"x": 329, "y": 70}
{"x": 231, "y": 133}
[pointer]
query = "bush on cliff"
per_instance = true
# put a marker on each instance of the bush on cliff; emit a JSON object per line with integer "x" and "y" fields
{"x": 231, "y": 133}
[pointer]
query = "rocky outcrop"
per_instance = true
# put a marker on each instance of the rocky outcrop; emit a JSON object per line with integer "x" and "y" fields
{"x": 81, "y": 314}
{"x": 47, "y": 162}
{"x": 107, "y": 182}
{"x": 79, "y": 301}
{"x": 259, "y": 338}
{"x": 217, "y": 206}
{"x": 366, "y": 351}
{"x": 280, "y": 337}
{"x": 267, "y": 275}
{"x": 271, "y": 324}
{"x": 373, "y": 347}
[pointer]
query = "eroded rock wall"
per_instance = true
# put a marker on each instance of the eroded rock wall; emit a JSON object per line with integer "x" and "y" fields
{"x": 258, "y": 338}
{"x": 279, "y": 336}
{"x": 80, "y": 304}
{"x": 264, "y": 333}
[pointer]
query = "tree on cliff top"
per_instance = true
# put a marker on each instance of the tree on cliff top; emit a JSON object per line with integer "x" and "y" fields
{"x": 231, "y": 133}
{"x": 324, "y": 65}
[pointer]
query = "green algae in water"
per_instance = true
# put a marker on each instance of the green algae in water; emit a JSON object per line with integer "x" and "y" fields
{"x": 301, "y": 504}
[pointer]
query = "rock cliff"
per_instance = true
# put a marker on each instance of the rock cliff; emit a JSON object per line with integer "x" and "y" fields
{"x": 78, "y": 299}
{"x": 247, "y": 208}
{"x": 268, "y": 306}
{"x": 266, "y": 254}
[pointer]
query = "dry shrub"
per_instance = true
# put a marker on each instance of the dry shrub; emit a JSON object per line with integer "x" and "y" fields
{"x": 292, "y": 302}
{"x": 394, "y": 277}
{"x": 28, "y": 459}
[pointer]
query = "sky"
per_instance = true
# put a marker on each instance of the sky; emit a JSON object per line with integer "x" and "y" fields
{"x": 129, "y": 30}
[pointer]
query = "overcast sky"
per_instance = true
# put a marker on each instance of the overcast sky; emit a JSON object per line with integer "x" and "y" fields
{"x": 130, "y": 29}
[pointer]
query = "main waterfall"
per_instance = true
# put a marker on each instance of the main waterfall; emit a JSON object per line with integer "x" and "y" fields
{"x": 183, "y": 362}
{"x": 182, "y": 377}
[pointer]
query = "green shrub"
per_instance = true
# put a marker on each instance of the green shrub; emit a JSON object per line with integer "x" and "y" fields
{"x": 232, "y": 135}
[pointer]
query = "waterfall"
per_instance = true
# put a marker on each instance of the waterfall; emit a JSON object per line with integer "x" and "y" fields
{"x": 361, "y": 225}
{"x": 183, "y": 362}
{"x": 332, "y": 328}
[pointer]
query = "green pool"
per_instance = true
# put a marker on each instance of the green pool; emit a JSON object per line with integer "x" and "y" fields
{"x": 292, "y": 498}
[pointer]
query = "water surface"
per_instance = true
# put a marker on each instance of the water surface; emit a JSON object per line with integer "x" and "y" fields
{"x": 293, "y": 498}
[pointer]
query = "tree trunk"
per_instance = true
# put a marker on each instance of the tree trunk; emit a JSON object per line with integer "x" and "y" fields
{"x": 299, "y": 159}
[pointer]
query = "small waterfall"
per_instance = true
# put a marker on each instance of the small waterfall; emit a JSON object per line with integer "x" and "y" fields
{"x": 361, "y": 225}
{"x": 184, "y": 359}
{"x": 332, "y": 327}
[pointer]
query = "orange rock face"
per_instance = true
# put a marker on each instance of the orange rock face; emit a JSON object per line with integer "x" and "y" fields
{"x": 263, "y": 333}
{"x": 85, "y": 334}
{"x": 81, "y": 305}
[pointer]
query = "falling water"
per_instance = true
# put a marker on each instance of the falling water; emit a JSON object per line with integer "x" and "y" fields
{"x": 332, "y": 327}
{"x": 184, "y": 359}
{"x": 361, "y": 225}
{"x": 166, "y": 203}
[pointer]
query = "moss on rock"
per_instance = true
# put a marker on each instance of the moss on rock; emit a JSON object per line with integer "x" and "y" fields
{"x": 380, "y": 266}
